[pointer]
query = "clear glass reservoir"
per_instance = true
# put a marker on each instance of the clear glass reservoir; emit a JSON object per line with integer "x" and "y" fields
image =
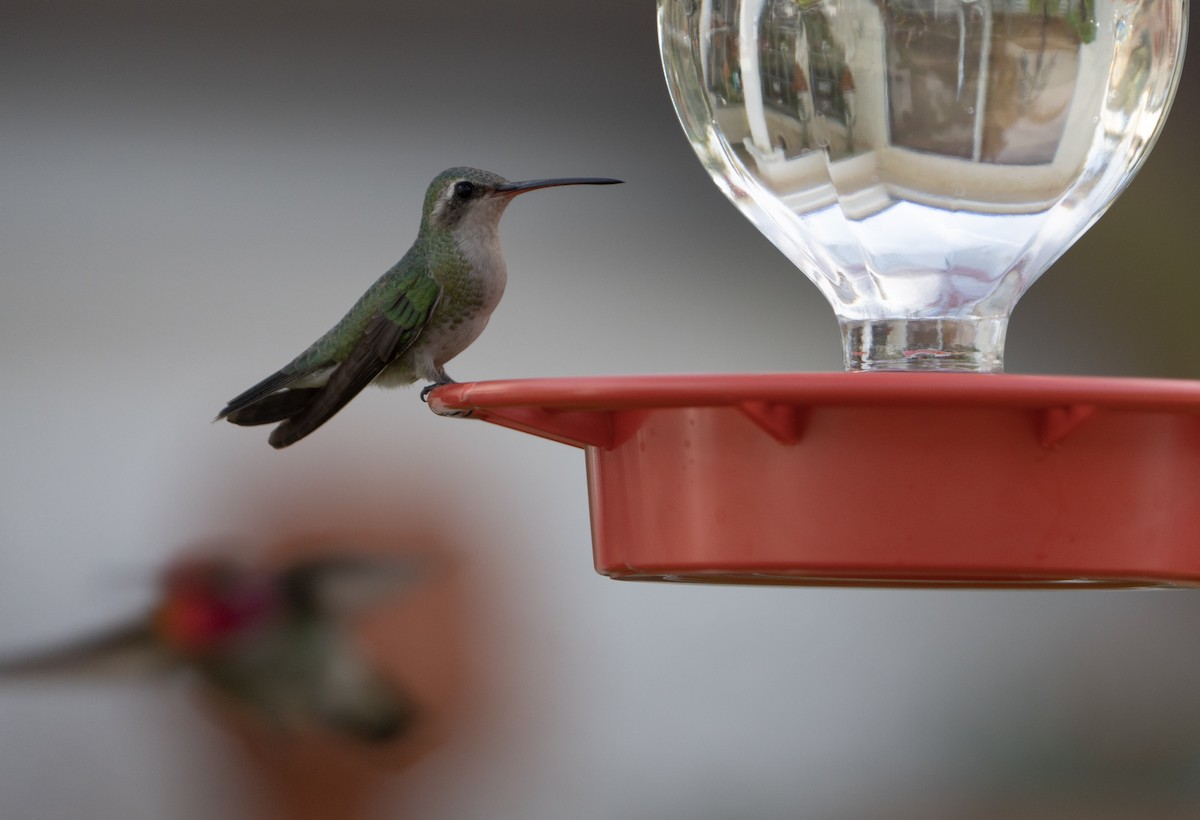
{"x": 922, "y": 161}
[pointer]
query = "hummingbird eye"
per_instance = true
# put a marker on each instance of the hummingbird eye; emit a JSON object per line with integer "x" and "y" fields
{"x": 463, "y": 190}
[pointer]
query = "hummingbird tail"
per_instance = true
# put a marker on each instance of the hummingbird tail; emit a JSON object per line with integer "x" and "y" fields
{"x": 346, "y": 381}
{"x": 318, "y": 410}
{"x": 274, "y": 407}
{"x": 366, "y": 705}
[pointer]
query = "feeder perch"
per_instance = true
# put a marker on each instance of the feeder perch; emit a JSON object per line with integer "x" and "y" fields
{"x": 927, "y": 479}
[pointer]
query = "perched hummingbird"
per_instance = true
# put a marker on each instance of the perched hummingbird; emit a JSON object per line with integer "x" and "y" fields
{"x": 271, "y": 641}
{"x": 416, "y": 317}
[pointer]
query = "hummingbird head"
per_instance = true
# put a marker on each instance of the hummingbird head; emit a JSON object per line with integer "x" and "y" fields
{"x": 470, "y": 199}
{"x": 207, "y": 603}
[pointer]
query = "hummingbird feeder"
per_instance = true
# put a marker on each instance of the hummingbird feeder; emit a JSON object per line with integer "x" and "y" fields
{"x": 922, "y": 162}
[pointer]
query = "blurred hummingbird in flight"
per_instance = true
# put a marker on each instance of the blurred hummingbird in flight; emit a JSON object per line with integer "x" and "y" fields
{"x": 274, "y": 642}
{"x": 419, "y": 315}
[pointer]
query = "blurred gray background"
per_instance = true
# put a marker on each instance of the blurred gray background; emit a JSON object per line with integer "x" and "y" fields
{"x": 190, "y": 193}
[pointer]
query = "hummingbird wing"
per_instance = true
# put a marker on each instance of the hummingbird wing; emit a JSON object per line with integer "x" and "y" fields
{"x": 350, "y": 694}
{"x": 341, "y": 586}
{"x": 275, "y": 398}
{"x": 388, "y": 333}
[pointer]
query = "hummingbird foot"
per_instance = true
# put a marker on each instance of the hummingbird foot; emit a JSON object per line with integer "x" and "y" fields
{"x": 453, "y": 414}
{"x": 429, "y": 388}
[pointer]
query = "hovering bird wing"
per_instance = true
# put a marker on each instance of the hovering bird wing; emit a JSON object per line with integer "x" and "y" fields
{"x": 388, "y": 333}
{"x": 350, "y": 693}
{"x": 126, "y": 653}
{"x": 344, "y": 585}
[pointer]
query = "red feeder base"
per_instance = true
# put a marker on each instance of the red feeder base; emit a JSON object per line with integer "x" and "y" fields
{"x": 929, "y": 479}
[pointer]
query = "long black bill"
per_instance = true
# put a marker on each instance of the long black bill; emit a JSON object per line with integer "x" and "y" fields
{"x": 515, "y": 188}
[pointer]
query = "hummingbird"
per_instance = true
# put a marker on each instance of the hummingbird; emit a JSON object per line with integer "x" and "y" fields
{"x": 419, "y": 315}
{"x": 274, "y": 642}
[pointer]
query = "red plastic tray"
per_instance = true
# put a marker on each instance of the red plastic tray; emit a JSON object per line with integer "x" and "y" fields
{"x": 932, "y": 479}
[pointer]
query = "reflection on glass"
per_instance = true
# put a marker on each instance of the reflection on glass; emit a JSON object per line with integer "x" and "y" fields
{"x": 923, "y": 161}
{"x": 1016, "y": 70}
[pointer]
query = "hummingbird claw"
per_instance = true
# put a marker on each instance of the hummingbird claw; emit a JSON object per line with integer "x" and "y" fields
{"x": 429, "y": 388}
{"x": 453, "y": 414}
